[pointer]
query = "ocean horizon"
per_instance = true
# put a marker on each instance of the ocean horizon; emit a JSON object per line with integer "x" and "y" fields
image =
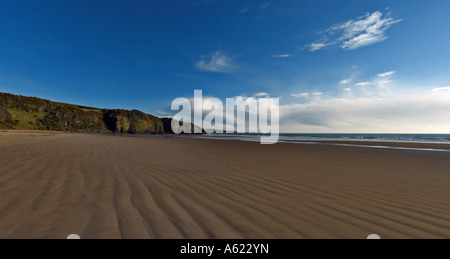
{"x": 287, "y": 137}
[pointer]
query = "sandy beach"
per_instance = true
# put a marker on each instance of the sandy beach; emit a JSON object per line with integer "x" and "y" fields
{"x": 100, "y": 186}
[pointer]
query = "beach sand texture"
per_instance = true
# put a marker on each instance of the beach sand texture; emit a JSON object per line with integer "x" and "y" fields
{"x": 98, "y": 186}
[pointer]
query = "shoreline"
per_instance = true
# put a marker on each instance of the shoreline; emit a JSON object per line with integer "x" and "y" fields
{"x": 354, "y": 143}
{"x": 378, "y": 144}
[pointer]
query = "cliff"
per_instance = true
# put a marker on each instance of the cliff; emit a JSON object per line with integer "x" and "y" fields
{"x": 30, "y": 113}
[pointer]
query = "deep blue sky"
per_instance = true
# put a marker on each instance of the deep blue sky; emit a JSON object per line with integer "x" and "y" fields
{"x": 143, "y": 54}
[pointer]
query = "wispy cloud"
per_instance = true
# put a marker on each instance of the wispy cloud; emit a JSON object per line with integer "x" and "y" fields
{"x": 390, "y": 73}
{"x": 345, "y": 81}
{"x": 381, "y": 108}
{"x": 361, "y": 32}
{"x": 300, "y": 95}
{"x": 282, "y": 56}
{"x": 363, "y": 84}
{"x": 441, "y": 89}
{"x": 217, "y": 62}
{"x": 397, "y": 112}
{"x": 262, "y": 94}
{"x": 317, "y": 46}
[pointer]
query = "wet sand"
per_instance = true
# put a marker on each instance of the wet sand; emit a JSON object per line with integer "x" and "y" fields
{"x": 98, "y": 186}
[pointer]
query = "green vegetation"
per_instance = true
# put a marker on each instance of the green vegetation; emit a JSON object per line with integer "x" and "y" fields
{"x": 19, "y": 112}
{"x": 132, "y": 122}
{"x": 25, "y": 119}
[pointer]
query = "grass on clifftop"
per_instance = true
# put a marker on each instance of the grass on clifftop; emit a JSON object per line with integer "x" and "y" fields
{"x": 19, "y": 112}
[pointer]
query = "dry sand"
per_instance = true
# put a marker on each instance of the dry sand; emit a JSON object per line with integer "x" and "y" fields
{"x": 53, "y": 185}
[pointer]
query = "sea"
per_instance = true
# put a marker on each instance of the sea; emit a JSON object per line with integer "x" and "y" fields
{"x": 413, "y": 138}
{"x": 349, "y": 139}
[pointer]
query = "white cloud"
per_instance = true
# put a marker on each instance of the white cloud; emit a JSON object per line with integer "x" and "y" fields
{"x": 317, "y": 46}
{"x": 398, "y": 112}
{"x": 390, "y": 73}
{"x": 441, "y": 89}
{"x": 364, "y": 31}
{"x": 300, "y": 95}
{"x": 262, "y": 94}
{"x": 382, "y": 108}
{"x": 282, "y": 56}
{"x": 363, "y": 84}
{"x": 345, "y": 81}
{"x": 384, "y": 82}
{"x": 218, "y": 62}
{"x": 307, "y": 95}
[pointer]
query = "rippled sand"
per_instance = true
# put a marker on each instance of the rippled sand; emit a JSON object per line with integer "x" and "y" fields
{"x": 53, "y": 185}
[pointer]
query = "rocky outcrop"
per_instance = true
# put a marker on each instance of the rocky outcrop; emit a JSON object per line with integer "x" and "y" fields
{"x": 134, "y": 122}
{"x": 30, "y": 113}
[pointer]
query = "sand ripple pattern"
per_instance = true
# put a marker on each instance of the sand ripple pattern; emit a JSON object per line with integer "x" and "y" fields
{"x": 53, "y": 185}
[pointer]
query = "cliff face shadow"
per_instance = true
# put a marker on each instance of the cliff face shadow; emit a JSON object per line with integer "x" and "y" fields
{"x": 167, "y": 123}
{"x": 110, "y": 121}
